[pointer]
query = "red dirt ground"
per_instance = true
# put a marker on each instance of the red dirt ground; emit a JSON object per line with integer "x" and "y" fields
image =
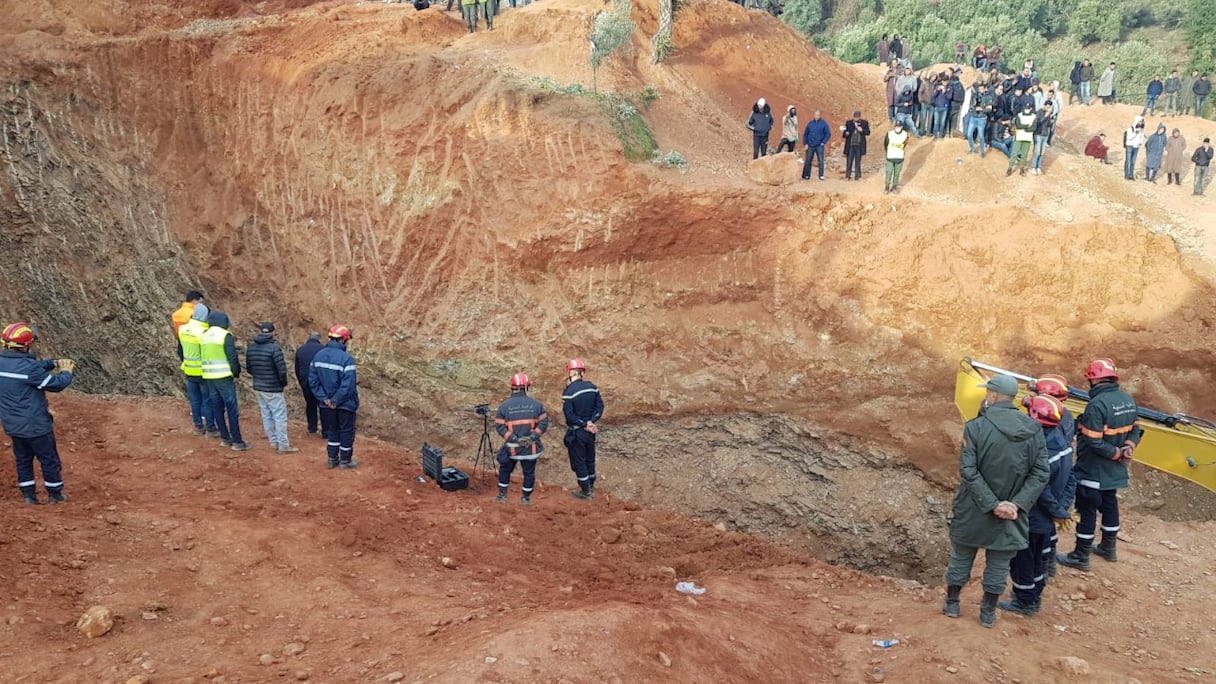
{"x": 212, "y": 562}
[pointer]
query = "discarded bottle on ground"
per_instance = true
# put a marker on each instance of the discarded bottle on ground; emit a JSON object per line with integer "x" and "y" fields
{"x": 886, "y": 643}
{"x": 689, "y": 588}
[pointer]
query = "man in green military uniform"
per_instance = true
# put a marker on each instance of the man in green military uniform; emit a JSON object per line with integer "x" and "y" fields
{"x": 1003, "y": 465}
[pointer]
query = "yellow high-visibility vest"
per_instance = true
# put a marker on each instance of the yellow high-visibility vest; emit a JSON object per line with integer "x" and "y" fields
{"x": 215, "y": 361}
{"x": 895, "y": 144}
{"x": 190, "y": 335}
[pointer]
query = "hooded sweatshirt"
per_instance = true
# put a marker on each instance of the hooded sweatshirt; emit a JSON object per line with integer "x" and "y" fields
{"x": 789, "y": 124}
{"x": 761, "y": 120}
{"x": 1154, "y": 148}
{"x": 1003, "y": 458}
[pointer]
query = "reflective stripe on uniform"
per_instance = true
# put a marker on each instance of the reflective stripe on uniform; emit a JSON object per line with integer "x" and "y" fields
{"x": 582, "y": 391}
{"x": 45, "y": 381}
{"x": 1092, "y": 484}
{"x": 1023, "y": 587}
{"x": 1060, "y": 455}
{"x": 30, "y": 483}
{"x": 52, "y": 485}
{"x": 332, "y": 366}
{"x": 1110, "y": 529}
{"x": 1084, "y": 536}
{"x": 14, "y": 376}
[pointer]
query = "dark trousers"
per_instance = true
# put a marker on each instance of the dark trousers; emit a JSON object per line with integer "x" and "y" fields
{"x": 759, "y": 145}
{"x": 782, "y": 145}
{"x": 311, "y": 408}
{"x": 339, "y": 429}
{"x": 811, "y": 153}
{"x": 852, "y": 164}
{"x": 506, "y": 466}
{"x": 1028, "y": 570}
{"x": 225, "y": 409}
{"x": 43, "y": 448}
{"x": 200, "y": 404}
{"x": 952, "y": 119}
{"x": 580, "y": 445}
{"x": 1091, "y": 502}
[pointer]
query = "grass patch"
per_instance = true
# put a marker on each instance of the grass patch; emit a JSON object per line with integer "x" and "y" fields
{"x": 624, "y": 112}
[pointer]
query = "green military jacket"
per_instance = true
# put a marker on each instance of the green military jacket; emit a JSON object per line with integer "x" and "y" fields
{"x": 1004, "y": 458}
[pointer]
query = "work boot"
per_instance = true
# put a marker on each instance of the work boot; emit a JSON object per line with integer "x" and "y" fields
{"x": 1016, "y": 606}
{"x": 988, "y": 609}
{"x": 288, "y": 450}
{"x": 526, "y": 500}
{"x": 1106, "y": 548}
{"x": 31, "y": 499}
{"x": 1051, "y": 565}
{"x": 211, "y": 434}
{"x": 349, "y": 465}
{"x": 331, "y": 464}
{"x": 951, "y": 607}
{"x": 1009, "y": 172}
{"x": 584, "y": 491}
{"x": 1078, "y": 558}
{"x": 502, "y": 495}
{"x": 240, "y": 446}
{"x": 56, "y": 496}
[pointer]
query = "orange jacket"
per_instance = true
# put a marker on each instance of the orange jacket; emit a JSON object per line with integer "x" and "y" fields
{"x": 181, "y": 316}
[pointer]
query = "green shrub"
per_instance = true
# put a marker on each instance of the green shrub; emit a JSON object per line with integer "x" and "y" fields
{"x": 671, "y": 160}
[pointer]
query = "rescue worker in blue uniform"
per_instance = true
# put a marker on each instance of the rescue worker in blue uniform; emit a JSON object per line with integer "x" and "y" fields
{"x": 520, "y": 421}
{"x": 1028, "y": 570}
{"x": 1054, "y": 385}
{"x": 331, "y": 376}
{"x": 582, "y": 407}
{"x": 24, "y": 381}
{"x": 1107, "y": 434}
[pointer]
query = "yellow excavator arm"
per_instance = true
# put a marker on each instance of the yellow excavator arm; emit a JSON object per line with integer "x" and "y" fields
{"x": 1178, "y": 444}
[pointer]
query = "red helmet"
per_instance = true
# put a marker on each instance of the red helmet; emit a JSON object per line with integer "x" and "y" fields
{"x": 1046, "y": 410}
{"x": 1101, "y": 368}
{"x": 1052, "y": 385}
{"x": 340, "y": 332}
{"x": 520, "y": 381}
{"x": 576, "y": 365}
{"x": 19, "y": 336}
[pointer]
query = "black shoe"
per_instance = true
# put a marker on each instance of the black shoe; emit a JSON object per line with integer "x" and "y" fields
{"x": 1016, "y": 607}
{"x": 225, "y": 443}
{"x": 585, "y": 496}
{"x": 502, "y": 496}
{"x": 331, "y": 464}
{"x": 988, "y": 609}
{"x": 1022, "y": 171}
{"x": 211, "y": 434}
{"x": 1074, "y": 559}
{"x": 240, "y": 446}
{"x": 951, "y": 607}
{"x": 1106, "y": 549}
{"x": 348, "y": 465}
{"x": 1009, "y": 172}
{"x": 57, "y": 497}
{"x": 525, "y": 501}
{"x": 32, "y": 500}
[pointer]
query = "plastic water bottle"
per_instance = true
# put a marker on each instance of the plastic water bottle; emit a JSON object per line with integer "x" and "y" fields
{"x": 885, "y": 643}
{"x": 689, "y": 588}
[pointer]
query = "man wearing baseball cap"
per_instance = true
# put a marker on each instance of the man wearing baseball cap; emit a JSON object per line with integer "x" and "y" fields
{"x": 1003, "y": 469}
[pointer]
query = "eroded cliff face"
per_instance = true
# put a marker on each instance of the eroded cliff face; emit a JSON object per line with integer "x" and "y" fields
{"x": 373, "y": 165}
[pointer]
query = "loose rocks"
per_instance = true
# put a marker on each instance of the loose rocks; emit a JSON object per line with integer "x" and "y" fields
{"x": 95, "y": 622}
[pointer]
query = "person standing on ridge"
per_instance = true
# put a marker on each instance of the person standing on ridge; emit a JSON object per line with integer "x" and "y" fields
{"x": 190, "y": 337}
{"x": 304, "y": 356}
{"x": 221, "y": 368}
{"x": 1106, "y": 85}
{"x": 789, "y": 130}
{"x": 1023, "y": 138}
{"x": 1133, "y": 140}
{"x": 582, "y": 407}
{"x": 884, "y": 50}
{"x": 1203, "y": 160}
{"x": 182, "y": 315}
{"x": 24, "y": 381}
{"x": 334, "y": 382}
{"x": 895, "y": 143}
{"x": 1028, "y": 570}
{"x": 1003, "y": 465}
{"x": 815, "y": 138}
{"x": 1173, "y": 86}
{"x": 1175, "y": 158}
{"x": 760, "y": 123}
{"x": 520, "y": 421}
{"x": 1154, "y": 153}
{"x": 1107, "y": 434}
{"x": 856, "y": 130}
{"x": 1056, "y": 386}
{"x": 471, "y": 9}
{"x": 265, "y": 363}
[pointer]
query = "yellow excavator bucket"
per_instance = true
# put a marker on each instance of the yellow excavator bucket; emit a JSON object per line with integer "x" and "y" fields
{"x": 1177, "y": 444}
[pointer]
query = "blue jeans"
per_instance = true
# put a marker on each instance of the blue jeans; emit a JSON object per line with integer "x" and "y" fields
{"x": 924, "y": 120}
{"x": 939, "y": 121}
{"x": 1129, "y": 162}
{"x": 811, "y": 153}
{"x": 908, "y": 123}
{"x": 975, "y": 132}
{"x": 225, "y": 409}
{"x": 1085, "y": 92}
{"x": 1199, "y": 100}
{"x": 274, "y": 417}
{"x": 1040, "y": 146}
{"x": 1150, "y": 104}
{"x": 1003, "y": 146}
{"x": 200, "y": 404}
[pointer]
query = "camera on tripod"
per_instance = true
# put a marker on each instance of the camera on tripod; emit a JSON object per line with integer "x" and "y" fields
{"x": 482, "y": 409}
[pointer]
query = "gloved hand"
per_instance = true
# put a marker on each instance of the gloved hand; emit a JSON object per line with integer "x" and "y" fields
{"x": 66, "y": 365}
{"x": 1063, "y": 524}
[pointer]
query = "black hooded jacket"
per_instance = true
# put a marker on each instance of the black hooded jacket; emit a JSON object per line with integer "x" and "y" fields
{"x": 264, "y": 361}
{"x": 761, "y": 120}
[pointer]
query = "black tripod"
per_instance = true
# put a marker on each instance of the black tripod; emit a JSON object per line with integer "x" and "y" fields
{"x": 485, "y": 450}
